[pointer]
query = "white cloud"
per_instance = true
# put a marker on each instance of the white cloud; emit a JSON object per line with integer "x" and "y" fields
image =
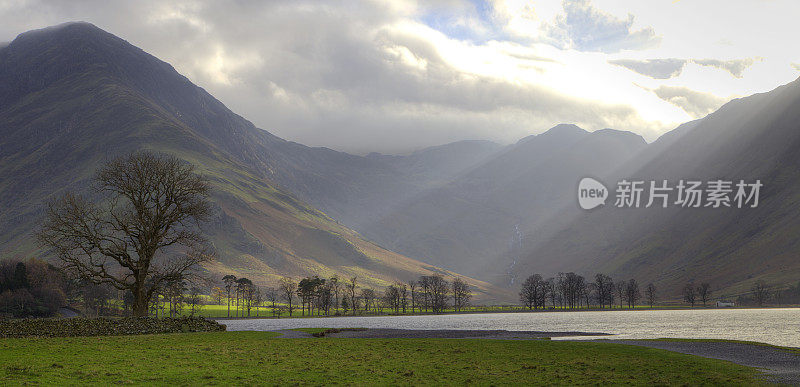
{"x": 586, "y": 28}
{"x": 672, "y": 67}
{"x": 734, "y": 66}
{"x": 697, "y": 104}
{"x": 654, "y": 68}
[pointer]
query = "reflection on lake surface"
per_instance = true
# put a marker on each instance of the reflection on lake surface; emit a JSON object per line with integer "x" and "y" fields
{"x": 773, "y": 326}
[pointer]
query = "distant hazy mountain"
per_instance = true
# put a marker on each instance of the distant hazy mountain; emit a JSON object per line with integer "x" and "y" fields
{"x": 440, "y": 164}
{"x": 757, "y": 137}
{"x": 477, "y": 217}
{"x": 73, "y": 96}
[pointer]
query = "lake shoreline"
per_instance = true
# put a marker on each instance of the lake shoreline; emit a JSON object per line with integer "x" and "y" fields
{"x": 389, "y": 333}
{"x": 471, "y": 312}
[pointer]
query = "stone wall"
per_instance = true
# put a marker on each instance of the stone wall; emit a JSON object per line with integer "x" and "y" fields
{"x": 105, "y": 326}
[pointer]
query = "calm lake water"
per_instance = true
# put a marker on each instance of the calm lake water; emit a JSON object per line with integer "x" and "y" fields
{"x": 773, "y": 326}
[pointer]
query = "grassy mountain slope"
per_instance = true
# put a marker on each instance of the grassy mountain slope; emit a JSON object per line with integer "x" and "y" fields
{"x": 74, "y": 96}
{"x": 750, "y": 138}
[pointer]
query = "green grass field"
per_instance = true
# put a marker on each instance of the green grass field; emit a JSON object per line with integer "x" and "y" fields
{"x": 261, "y": 358}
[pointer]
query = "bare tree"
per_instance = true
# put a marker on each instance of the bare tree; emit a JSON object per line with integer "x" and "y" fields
{"x": 288, "y": 288}
{"x": 412, "y": 285}
{"x": 325, "y": 298}
{"x": 761, "y": 292}
{"x": 368, "y": 296}
{"x": 527, "y": 292}
{"x": 562, "y": 286}
{"x": 533, "y": 292}
{"x": 651, "y": 294}
{"x": 689, "y": 294}
{"x": 173, "y": 293}
{"x": 425, "y": 292}
{"x": 571, "y": 288}
{"x": 704, "y": 292}
{"x": 272, "y": 296}
{"x": 403, "y": 295}
{"x": 439, "y": 290}
{"x": 461, "y": 294}
{"x": 550, "y": 284}
{"x": 391, "y": 298}
{"x": 194, "y": 300}
{"x": 258, "y": 298}
{"x": 351, "y": 287}
{"x": 336, "y": 289}
{"x": 229, "y": 280}
{"x": 345, "y": 305}
{"x": 144, "y": 233}
{"x": 583, "y": 291}
{"x": 620, "y": 288}
{"x": 632, "y": 294}
{"x": 604, "y": 289}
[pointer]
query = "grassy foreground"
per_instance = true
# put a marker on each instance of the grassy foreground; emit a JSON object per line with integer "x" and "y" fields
{"x": 261, "y": 358}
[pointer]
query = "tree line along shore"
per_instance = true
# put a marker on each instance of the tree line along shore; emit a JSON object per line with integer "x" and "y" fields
{"x": 35, "y": 288}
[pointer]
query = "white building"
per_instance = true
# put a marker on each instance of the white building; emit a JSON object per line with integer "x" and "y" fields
{"x": 725, "y": 304}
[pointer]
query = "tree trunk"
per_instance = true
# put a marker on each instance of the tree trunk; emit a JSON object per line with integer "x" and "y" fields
{"x": 140, "y": 302}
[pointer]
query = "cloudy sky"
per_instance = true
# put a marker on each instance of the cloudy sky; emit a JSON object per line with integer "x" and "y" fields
{"x": 393, "y": 76}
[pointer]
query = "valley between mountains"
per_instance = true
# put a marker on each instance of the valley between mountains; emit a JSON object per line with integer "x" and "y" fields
{"x": 73, "y": 96}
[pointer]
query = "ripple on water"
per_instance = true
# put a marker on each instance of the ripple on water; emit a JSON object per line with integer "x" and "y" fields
{"x": 772, "y": 326}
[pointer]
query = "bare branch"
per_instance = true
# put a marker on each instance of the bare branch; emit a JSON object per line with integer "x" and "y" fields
{"x": 143, "y": 231}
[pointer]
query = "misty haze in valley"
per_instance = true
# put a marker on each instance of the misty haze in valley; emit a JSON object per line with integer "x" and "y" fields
{"x": 493, "y": 213}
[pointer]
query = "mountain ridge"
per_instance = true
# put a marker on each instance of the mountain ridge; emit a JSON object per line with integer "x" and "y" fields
{"x": 75, "y": 96}
{"x": 751, "y": 138}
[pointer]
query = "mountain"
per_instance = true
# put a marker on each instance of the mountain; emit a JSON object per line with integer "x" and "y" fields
{"x": 73, "y": 96}
{"x": 466, "y": 224}
{"x": 752, "y": 138}
{"x": 436, "y": 165}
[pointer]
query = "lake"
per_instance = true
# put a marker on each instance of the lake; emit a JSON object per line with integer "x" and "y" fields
{"x": 772, "y": 326}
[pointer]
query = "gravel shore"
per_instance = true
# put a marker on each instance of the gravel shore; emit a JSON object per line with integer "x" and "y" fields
{"x": 440, "y": 334}
{"x": 456, "y": 334}
{"x": 779, "y": 365}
